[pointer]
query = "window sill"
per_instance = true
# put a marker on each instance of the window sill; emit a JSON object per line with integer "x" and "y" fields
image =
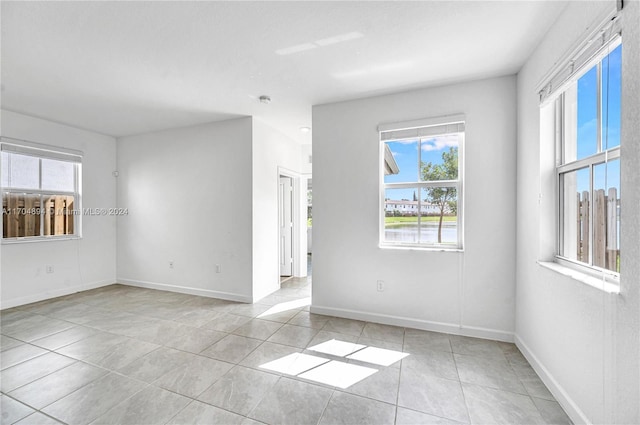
{"x": 597, "y": 283}
{"x": 420, "y": 248}
{"x": 13, "y": 241}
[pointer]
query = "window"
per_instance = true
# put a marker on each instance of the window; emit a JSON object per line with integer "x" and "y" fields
{"x": 421, "y": 183}
{"x": 588, "y": 163}
{"x": 40, "y": 192}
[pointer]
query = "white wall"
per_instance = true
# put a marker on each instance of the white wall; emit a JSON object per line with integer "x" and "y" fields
{"x": 201, "y": 196}
{"x": 271, "y": 150}
{"x": 189, "y": 195}
{"x": 306, "y": 167}
{"x": 468, "y": 293}
{"x": 583, "y": 342}
{"x": 78, "y": 264}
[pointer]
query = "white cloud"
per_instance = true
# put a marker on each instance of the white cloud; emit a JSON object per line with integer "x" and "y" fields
{"x": 440, "y": 142}
{"x": 404, "y": 141}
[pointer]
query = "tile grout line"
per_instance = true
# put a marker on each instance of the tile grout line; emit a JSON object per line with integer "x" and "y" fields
{"x": 404, "y": 336}
{"x": 325, "y": 407}
{"x": 464, "y": 396}
{"x": 335, "y": 391}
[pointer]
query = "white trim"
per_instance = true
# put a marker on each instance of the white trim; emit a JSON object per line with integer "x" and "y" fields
{"x": 550, "y": 92}
{"x": 600, "y": 283}
{"x": 288, "y": 172}
{"x": 47, "y": 295}
{"x": 580, "y": 54}
{"x": 418, "y": 247}
{"x": 603, "y": 157}
{"x": 563, "y": 167}
{"x": 427, "y": 325}
{"x": 299, "y": 246}
{"x": 576, "y": 415}
{"x": 461, "y": 188}
{"x": 186, "y": 290}
{"x": 31, "y": 239}
{"x": 40, "y": 150}
{"x": 458, "y": 184}
{"x": 423, "y": 184}
{"x": 43, "y": 152}
{"x": 424, "y": 122}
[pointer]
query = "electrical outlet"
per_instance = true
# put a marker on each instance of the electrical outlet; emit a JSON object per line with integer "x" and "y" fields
{"x": 170, "y": 264}
{"x": 380, "y": 285}
{"x": 218, "y": 268}
{"x": 49, "y": 269}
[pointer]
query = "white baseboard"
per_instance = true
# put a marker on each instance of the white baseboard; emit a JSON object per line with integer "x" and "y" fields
{"x": 407, "y": 322}
{"x": 576, "y": 414}
{"x": 15, "y": 302}
{"x": 186, "y": 290}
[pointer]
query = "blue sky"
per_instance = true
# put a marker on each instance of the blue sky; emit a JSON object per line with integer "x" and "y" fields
{"x": 405, "y": 153}
{"x": 605, "y": 176}
{"x": 587, "y": 119}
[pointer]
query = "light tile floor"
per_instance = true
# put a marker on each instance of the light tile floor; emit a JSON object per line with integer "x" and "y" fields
{"x": 124, "y": 355}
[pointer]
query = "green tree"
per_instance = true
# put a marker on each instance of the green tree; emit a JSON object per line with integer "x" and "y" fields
{"x": 444, "y": 198}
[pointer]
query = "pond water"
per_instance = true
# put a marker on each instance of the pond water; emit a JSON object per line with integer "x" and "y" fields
{"x": 427, "y": 233}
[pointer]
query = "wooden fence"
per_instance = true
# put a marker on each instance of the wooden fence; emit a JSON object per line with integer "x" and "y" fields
{"x": 21, "y": 215}
{"x": 605, "y": 250}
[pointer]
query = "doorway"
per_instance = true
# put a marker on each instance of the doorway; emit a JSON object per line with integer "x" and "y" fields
{"x": 285, "y": 195}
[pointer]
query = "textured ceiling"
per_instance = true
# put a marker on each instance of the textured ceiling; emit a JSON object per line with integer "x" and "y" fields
{"x": 123, "y": 68}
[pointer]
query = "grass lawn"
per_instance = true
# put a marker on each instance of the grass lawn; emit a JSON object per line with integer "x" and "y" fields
{"x": 400, "y": 220}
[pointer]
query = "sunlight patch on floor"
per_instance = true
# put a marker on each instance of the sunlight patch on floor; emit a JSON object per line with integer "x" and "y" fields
{"x": 379, "y": 356}
{"x": 337, "y": 348}
{"x": 294, "y": 363}
{"x": 289, "y": 305}
{"x": 333, "y": 372}
{"x": 338, "y": 374}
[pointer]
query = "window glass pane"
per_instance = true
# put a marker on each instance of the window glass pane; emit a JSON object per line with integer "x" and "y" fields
{"x": 58, "y": 215}
{"x": 20, "y": 215}
{"x": 587, "y": 114}
{"x": 57, "y": 175}
{"x": 439, "y": 223}
{"x": 24, "y": 172}
{"x": 401, "y": 161}
{"x": 606, "y": 215}
{"x": 439, "y": 158}
{"x": 401, "y": 215}
{"x": 575, "y": 221}
{"x": 5, "y": 169}
{"x": 611, "y": 94}
{"x": 416, "y": 214}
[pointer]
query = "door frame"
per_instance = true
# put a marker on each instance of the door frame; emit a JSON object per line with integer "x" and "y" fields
{"x": 299, "y": 245}
{"x": 285, "y": 224}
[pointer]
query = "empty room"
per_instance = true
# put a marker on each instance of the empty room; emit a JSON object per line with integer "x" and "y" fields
{"x": 316, "y": 212}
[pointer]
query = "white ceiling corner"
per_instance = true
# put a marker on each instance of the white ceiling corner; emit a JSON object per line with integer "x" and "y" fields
{"x": 123, "y": 68}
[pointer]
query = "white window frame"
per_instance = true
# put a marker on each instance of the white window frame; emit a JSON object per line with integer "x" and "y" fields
{"x": 42, "y": 151}
{"x": 589, "y": 55}
{"x": 420, "y": 129}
